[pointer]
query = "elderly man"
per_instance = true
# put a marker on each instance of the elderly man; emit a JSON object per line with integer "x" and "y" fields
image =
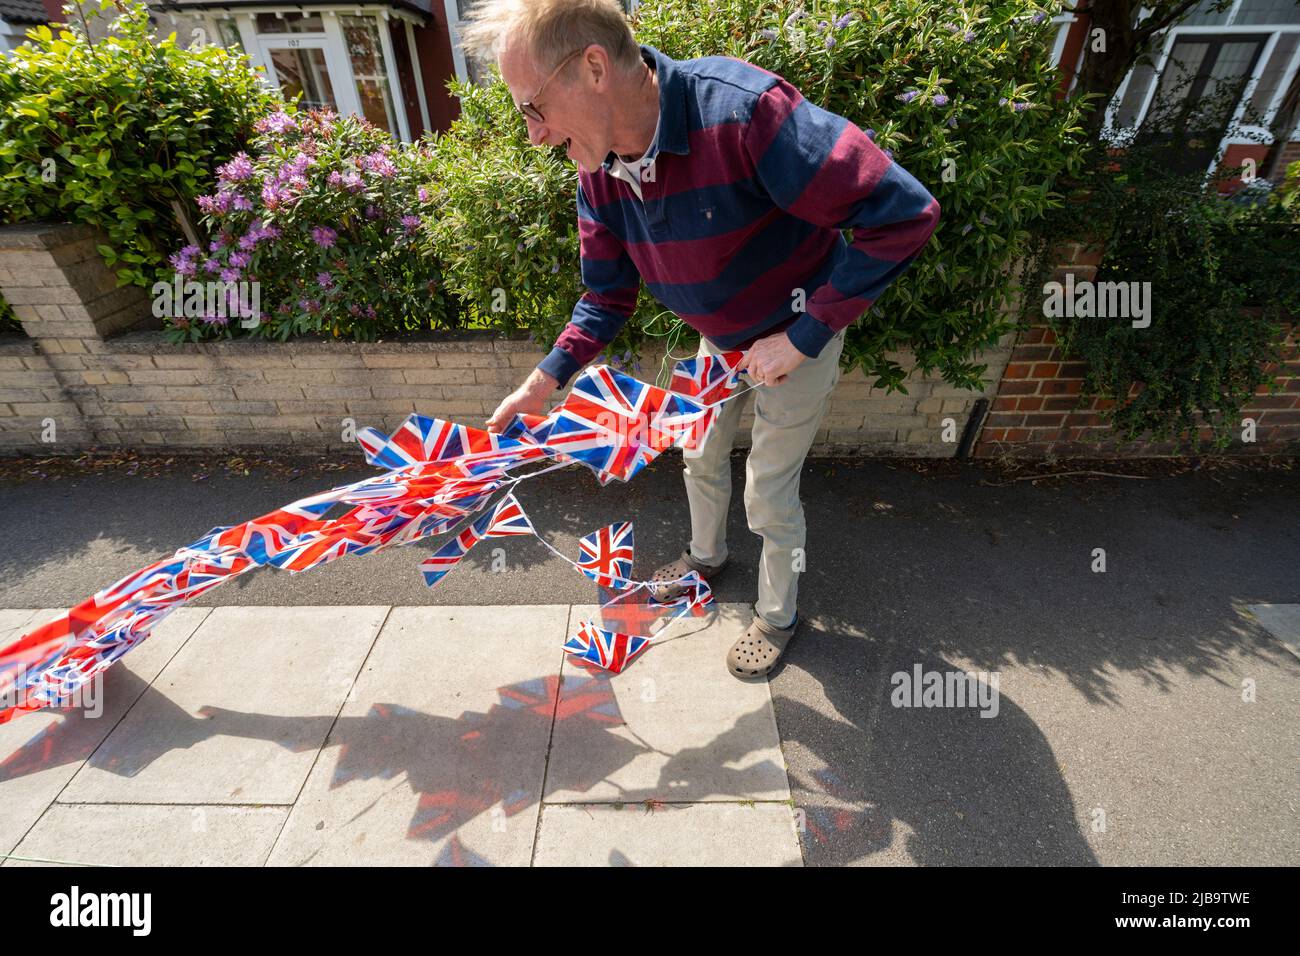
{"x": 726, "y": 191}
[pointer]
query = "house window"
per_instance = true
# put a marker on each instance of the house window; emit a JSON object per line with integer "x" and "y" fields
{"x": 303, "y": 72}
{"x": 1273, "y": 73}
{"x": 228, "y": 31}
{"x": 1246, "y": 53}
{"x": 468, "y": 69}
{"x": 290, "y": 23}
{"x": 1135, "y": 96}
{"x": 366, "y": 54}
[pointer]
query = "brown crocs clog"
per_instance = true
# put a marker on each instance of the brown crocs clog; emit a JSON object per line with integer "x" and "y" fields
{"x": 758, "y": 650}
{"x": 678, "y": 569}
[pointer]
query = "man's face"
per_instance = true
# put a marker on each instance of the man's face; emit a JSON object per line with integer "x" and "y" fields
{"x": 573, "y": 107}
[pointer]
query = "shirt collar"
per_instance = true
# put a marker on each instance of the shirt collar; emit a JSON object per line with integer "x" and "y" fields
{"x": 672, "y": 133}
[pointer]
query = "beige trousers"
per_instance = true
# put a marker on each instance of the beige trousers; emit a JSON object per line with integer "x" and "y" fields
{"x": 786, "y": 417}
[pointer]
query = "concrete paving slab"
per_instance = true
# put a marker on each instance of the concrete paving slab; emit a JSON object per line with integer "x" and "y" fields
{"x": 939, "y": 561}
{"x": 679, "y": 727}
{"x": 143, "y": 835}
{"x": 41, "y": 751}
{"x": 698, "y": 834}
{"x": 439, "y": 755}
{"x": 239, "y": 714}
{"x": 13, "y": 621}
{"x": 1280, "y": 620}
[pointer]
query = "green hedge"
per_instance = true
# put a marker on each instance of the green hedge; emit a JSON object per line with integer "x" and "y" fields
{"x": 114, "y": 131}
{"x": 501, "y": 217}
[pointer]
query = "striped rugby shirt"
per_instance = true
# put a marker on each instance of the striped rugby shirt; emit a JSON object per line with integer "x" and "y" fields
{"x": 743, "y": 204}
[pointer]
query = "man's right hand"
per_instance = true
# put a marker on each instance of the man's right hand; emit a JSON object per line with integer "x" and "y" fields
{"x": 528, "y": 399}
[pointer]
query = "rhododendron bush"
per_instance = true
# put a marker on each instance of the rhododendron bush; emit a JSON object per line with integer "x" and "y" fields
{"x": 324, "y": 215}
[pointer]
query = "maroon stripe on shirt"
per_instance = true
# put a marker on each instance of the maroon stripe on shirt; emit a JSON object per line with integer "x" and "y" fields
{"x": 597, "y": 242}
{"x": 762, "y": 296}
{"x": 772, "y": 110}
{"x": 842, "y": 175}
{"x": 687, "y": 261}
{"x": 582, "y": 345}
{"x": 713, "y": 160}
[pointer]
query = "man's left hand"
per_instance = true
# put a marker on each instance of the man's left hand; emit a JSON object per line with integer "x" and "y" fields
{"x": 771, "y": 359}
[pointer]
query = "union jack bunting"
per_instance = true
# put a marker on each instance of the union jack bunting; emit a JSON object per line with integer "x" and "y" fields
{"x": 604, "y": 648}
{"x": 507, "y": 518}
{"x": 707, "y": 378}
{"x": 438, "y": 475}
{"x": 421, "y": 439}
{"x": 606, "y": 555}
{"x": 616, "y": 425}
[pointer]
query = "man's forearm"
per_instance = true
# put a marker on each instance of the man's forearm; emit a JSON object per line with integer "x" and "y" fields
{"x": 539, "y": 383}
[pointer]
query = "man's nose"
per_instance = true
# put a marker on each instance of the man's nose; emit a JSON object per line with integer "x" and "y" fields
{"x": 537, "y": 132}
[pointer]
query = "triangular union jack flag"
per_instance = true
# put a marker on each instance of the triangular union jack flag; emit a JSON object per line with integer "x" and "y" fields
{"x": 606, "y": 556}
{"x": 507, "y": 518}
{"x": 707, "y": 378}
{"x": 604, "y": 648}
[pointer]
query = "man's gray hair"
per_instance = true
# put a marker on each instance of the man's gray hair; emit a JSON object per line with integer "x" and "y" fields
{"x": 550, "y": 30}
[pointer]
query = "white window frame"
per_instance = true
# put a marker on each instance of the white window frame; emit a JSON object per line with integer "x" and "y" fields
{"x": 1064, "y": 21}
{"x": 453, "y": 35}
{"x": 340, "y": 66}
{"x": 1170, "y": 36}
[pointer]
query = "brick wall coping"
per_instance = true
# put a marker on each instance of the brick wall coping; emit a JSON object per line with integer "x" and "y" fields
{"x": 44, "y": 235}
{"x": 153, "y": 342}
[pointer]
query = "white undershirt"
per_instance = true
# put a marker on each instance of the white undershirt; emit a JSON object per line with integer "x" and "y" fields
{"x": 631, "y": 172}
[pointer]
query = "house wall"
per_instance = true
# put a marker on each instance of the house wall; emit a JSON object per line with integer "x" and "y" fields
{"x": 1040, "y": 407}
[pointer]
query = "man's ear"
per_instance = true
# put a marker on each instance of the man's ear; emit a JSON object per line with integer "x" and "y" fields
{"x": 596, "y": 64}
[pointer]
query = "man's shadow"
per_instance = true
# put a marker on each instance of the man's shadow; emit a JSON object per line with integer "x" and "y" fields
{"x": 954, "y": 787}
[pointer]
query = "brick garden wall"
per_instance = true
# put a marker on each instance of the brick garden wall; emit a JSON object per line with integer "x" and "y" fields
{"x": 1040, "y": 407}
{"x": 93, "y": 366}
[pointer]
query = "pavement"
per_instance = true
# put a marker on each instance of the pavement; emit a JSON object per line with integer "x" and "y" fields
{"x": 1144, "y": 714}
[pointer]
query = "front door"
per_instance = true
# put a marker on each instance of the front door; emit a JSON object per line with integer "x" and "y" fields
{"x": 299, "y": 65}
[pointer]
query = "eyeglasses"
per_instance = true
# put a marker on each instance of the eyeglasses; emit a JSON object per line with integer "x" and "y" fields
{"x": 531, "y": 111}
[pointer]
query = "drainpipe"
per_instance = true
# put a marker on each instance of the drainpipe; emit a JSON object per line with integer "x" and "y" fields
{"x": 973, "y": 425}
